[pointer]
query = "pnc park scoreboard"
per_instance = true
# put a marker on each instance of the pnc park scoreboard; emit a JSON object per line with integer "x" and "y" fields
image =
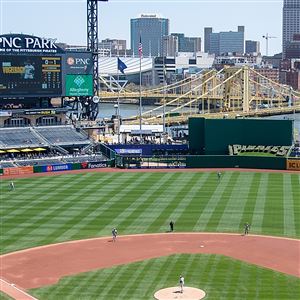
{"x": 36, "y": 67}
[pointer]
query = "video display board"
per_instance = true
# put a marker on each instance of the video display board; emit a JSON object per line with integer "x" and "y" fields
{"x": 26, "y": 75}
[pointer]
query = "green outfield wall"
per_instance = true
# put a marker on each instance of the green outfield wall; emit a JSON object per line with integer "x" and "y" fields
{"x": 226, "y": 161}
{"x": 212, "y": 136}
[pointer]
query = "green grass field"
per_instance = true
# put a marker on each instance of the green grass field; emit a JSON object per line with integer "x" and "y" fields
{"x": 45, "y": 210}
{"x": 220, "y": 277}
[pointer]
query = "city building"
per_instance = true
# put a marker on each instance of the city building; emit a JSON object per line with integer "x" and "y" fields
{"x": 293, "y": 47}
{"x": 150, "y": 28}
{"x": 225, "y": 41}
{"x": 230, "y": 59}
{"x": 154, "y": 70}
{"x": 112, "y": 47}
{"x": 184, "y": 63}
{"x": 170, "y": 45}
{"x": 207, "y": 32}
{"x": 268, "y": 72}
{"x": 291, "y": 22}
{"x": 188, "y": 44}
{"x": 252, "y": 47}
{"x": 290, "y": 72}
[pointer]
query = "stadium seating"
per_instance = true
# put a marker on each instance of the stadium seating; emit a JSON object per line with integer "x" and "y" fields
{"x": 19, "y": 138}
{"x": 63, "y": 135}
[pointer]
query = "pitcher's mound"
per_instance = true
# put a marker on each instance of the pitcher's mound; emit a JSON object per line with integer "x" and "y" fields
{"x": 171, "y": 293}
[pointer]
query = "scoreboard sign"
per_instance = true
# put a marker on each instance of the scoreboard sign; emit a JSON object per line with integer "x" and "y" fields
{"x": 25, "y": 75}
{"x": 27, "y": 44}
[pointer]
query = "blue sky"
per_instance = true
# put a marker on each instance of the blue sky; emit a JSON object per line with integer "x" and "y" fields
{"x": 66, "y": 19}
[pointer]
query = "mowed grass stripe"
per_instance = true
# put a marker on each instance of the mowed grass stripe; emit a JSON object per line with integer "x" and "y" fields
{"x": 32, "y": 227}
{"x": 85, "y": 207}
{"x": 219, "y": 209}
{"x": 80, "y": 213}
{"x": 295, "y": 180}
{"x": 24, "y": 200}
{"x": 288, "y": 206}
{"x": 180, "y": 213}
{"x": 250, "y": 203}
{"x": 273, "y": 222}
{"x": 195, "y": 208}
{"x": 11, "y": 200}
{"x": 142, "y": 212}
{"x": 120, "y": 201}
{"x": 163, "y": 207}
{"x": 107, "y": 201}
{"x": 36, "y": 205}
{"x": 233, "y": 212}
{"x": 219, "y": 276}
{"x": 137, "y": 204}
{"x": 259, "y": 209}
{"x": 211, "y": 201}
{"x": 149, "y": 215}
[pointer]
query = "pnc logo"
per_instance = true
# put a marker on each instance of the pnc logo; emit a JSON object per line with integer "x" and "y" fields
{"x": 70, "y": 61}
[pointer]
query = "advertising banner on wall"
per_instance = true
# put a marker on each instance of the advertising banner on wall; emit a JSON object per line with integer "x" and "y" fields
{"x": 94, "y": 164}
{"x": 293, "y": 164}
{"x": 57, "y": 168}
{"x": 79, "y": 85}
{"x": 18, "y": 171}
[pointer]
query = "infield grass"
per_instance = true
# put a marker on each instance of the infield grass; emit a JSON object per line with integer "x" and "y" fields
{"x": 220, "y": 277}
{"x": 44, "y": 210}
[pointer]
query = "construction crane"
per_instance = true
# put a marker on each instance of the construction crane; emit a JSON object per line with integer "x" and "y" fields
{"x": 267, "y": 37}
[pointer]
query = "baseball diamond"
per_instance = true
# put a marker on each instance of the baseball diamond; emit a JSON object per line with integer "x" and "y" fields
{"x": 85, "y": 206}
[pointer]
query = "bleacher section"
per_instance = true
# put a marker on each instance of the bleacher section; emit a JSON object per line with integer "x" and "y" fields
{"x": 63, "y": 135}
{"x": 37, "y": 162}
{"x": 7, "y": 165}
{"x": 32, "y": 137}
{"x": 19, "y": 138}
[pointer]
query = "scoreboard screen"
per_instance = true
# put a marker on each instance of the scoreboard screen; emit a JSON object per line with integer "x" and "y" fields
{"x": 30, "y": 76}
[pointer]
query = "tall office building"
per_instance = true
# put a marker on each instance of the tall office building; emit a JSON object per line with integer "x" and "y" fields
{"x": 207, "y": 32}
{"x": 252, "y": 47}
{"x": 291, "y": 22}
{"x": 170, "y": 45}
{"x": 151, "y": 28}
{"x": 219, "y": 43}
{"x": 188, "y": 44}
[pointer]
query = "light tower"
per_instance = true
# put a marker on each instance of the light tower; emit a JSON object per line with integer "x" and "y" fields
{"x": 92, "y": 45}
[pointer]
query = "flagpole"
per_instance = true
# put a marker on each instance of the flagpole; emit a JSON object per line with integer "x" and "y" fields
{"x": 141, "y": 135}
{"x": 118, "y": 101}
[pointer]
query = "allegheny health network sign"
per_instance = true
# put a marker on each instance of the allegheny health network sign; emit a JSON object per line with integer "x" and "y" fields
{"x": 79, "y": 85}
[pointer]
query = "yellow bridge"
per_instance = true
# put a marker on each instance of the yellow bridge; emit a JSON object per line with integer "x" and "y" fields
{"x": 230, "y": 92}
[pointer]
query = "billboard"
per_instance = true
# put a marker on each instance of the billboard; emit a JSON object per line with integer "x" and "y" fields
{"x": 22, "y": 44}
{"x": 79, "y": 85}
{"x": 25, "y": 75}
{"x": 78, "y": 63}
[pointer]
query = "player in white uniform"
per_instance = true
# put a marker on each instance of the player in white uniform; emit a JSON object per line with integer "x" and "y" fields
{"x": 29, "y": 71}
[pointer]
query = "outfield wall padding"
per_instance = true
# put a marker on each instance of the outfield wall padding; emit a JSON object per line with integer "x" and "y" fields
{"x": 226, "y": 161}
{"x": 212, "y": 136}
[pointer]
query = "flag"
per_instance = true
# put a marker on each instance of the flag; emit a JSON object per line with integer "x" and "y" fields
{"x": 121, "y": 66}
{"x": 140, "y": 47}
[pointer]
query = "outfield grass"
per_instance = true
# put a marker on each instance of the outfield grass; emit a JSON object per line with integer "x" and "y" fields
{"x": 44, "y": 210}
{"x": 4, "y": 296}
{"x": 220, "y": 277}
